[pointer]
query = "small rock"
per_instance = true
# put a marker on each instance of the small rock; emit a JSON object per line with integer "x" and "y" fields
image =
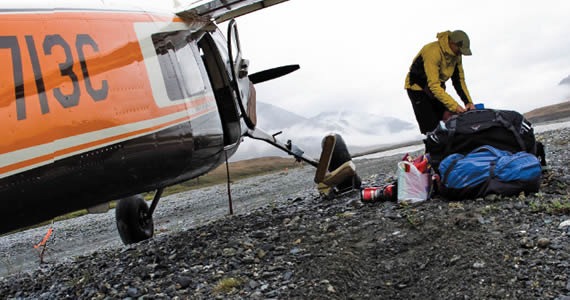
{"x": 248, "y": 245}
{"x": 229, "y": 252}
{"x": 184, "y": 281}
{"x": 564, "y": 224}
{"x": 478, "y": 265}
{"x": 287, "y": 275}
{"x": 258, "y": 234}
{"x": 261, "y": 253}
{"x": 253, "y": 284}
{"x": 133, "y": 292}
{"x": 526, "y": 243}
{"x": 298, "y": 199}
{"x": 543, "y": 242}
{"x": 248, "y": 260}
{"x": 455, "y": 258}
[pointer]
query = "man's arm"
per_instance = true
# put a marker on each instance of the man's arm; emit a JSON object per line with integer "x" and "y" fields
{"x": 432, "y": 59}
{"x": 458, "y": 80}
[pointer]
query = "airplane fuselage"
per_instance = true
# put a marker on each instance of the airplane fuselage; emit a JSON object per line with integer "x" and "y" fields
{"x": 99, "y": 103}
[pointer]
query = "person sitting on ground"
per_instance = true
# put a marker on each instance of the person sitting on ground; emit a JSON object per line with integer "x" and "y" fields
{"x": 436, "y": 63}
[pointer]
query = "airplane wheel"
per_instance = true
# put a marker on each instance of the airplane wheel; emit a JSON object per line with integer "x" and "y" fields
{"x": 133, "y": 222}
{"x": 340, "y": 156}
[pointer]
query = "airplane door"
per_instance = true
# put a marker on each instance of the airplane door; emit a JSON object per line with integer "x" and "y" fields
{"x": 244, "y": 89}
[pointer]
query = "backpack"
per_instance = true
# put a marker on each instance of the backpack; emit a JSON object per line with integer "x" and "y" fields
{"x": 488, "y": 170}
{"x": 462, "y": 133}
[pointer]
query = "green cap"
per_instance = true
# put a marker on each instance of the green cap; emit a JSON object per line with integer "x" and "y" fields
{"x": 460, "y": 38}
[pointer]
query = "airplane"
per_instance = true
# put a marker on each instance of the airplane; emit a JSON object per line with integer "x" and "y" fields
{"x": 103, "y": 100}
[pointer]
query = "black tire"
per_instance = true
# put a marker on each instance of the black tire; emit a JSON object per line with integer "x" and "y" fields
{"x": 340, "y": 156}
{"x": 133, "y": 222}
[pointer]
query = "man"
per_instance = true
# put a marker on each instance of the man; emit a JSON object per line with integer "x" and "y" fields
{"x": 425, "y": 83}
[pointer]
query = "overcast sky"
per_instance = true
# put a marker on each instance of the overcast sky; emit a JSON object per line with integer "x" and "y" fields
{"x": 354, "y": 55}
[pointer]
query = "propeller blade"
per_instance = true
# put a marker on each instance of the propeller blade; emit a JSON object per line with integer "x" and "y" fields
{"x": 270, "y": 74}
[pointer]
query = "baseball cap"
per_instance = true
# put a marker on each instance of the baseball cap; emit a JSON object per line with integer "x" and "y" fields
{"x": 460, "y": 38}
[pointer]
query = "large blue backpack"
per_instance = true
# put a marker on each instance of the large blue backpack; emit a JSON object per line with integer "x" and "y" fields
{"x": 488, "y": 170}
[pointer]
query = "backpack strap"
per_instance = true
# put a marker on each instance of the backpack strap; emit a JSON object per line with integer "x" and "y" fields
{"x": 487, "y": 148}
{"x": 492, "y": 166}
{"x": 452, "y": 125}
{"x": 541, "y": 153}
{"x": 451, "y": 166}
{"x": 484, "y": 190}
{"x": 510, "y": 126}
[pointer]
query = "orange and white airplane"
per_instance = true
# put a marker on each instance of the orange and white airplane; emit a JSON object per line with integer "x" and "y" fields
{"x": 106, "y": 99}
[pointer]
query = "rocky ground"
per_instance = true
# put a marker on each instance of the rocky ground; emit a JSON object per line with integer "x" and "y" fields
{"x": 300, "y": 246}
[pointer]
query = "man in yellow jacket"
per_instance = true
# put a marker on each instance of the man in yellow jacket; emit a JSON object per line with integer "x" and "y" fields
{"x": 425, "y": 83}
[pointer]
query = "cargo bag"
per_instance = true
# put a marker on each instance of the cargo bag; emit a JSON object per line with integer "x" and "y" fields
{"x": 502, "y": 129}
{"x": 488, "y": 170}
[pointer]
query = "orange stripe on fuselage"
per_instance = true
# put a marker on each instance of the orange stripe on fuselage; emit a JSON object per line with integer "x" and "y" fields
{"x": 116, "y": 93}
{"x": 91, "y": 145}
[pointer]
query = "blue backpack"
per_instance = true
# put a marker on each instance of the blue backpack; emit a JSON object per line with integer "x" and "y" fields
{"x": 488, "y": 170}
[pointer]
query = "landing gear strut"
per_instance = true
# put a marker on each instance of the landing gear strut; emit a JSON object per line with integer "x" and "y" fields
{"x": 134, "y": 218}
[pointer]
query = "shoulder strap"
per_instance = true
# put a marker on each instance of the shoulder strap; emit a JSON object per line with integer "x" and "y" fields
{"x": 492, "y": 166}
{"x": 452, "y": 126}
{"x": 510, "y": 126}
{"x": 451, "y": 166}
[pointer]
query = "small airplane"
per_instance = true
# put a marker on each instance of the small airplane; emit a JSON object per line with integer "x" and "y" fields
{"x": 103, "y": 100}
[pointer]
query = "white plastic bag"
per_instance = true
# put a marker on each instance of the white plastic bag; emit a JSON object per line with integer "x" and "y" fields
{"x": 413, "y": 186}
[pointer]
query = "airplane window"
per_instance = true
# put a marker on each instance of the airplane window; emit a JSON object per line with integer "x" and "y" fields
{"x": 165, "y": 54}
{"x": 172, "y": 53}
{"x": 190, "y": 70}
{"x": 178, "y": 64}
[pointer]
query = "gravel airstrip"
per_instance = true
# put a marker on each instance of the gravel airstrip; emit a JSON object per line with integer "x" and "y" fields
{"x": 286, "y": 242}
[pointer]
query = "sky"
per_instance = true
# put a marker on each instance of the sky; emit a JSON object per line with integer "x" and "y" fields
{"x": 354, "y": 55}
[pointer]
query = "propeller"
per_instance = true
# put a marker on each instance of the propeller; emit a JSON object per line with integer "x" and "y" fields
{"x": 270, "y": 74}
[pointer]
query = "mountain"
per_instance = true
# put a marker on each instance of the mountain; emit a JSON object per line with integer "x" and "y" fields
{"x": 549, "y": 113}
{"x": 271, "y": 117}
{"x": 361, "y": 131}
{"x": 565, "y": 81}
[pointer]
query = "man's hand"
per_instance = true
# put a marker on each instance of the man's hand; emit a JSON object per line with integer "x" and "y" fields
{"x": 460, "y": 109}
{"x": 469, "y": 106}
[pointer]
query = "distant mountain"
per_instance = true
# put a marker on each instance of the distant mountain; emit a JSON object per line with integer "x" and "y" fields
{"x": 271, "y": 117}
{"x": 549, "y": 113}
{"x": 565, "y": 81}
{"x": 361, "y": 131}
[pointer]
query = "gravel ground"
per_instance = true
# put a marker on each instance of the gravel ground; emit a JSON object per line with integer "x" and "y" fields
{"x": 285, "y": 242}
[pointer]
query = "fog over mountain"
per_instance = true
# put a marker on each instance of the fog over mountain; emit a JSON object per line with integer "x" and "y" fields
{"x": 360, "y": 130}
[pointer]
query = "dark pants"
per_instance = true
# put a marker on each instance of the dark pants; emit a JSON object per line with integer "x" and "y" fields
{"x": 428, "y": 110}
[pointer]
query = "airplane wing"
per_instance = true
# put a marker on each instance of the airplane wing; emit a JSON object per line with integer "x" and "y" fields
{"x": 223, "y": 10}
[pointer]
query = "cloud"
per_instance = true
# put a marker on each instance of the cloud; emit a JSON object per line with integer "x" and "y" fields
{"x": 356, "y": 54}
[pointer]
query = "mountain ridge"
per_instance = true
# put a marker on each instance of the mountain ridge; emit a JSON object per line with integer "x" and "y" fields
{"x": 549, "y": 113}
{"x": 360, "y": 130}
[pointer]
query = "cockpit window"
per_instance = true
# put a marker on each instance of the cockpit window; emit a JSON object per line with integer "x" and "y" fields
{"x": 177, "y": 59}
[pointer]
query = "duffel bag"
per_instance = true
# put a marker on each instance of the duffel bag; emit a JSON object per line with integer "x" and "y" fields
{"x": 488, "y": 170}
{"x": 503, "y": 129}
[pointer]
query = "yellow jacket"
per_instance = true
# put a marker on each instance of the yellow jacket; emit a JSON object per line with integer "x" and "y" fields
{"x": 433, "y": 66}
